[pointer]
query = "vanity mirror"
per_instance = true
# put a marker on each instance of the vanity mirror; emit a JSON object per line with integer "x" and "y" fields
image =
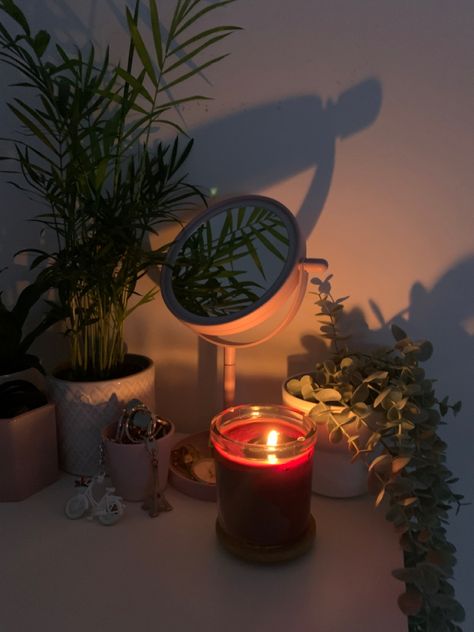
{"x": 237, "y": 274}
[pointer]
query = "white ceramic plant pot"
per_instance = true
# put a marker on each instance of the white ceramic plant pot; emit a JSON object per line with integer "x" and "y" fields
{"x": 129, "y": 464}
{"x": 333, "y": 472}
{"x": 84, "y": 408}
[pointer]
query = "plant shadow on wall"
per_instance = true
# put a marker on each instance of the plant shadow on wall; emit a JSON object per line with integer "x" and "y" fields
{"x": 259, "y": 146}
{"x": 263, "y": 145}
{"x": 416, "y": 482}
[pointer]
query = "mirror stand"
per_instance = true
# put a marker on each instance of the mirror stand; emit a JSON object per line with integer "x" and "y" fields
{"x": 229, "y": 376}
{"x": 309, "y": 266}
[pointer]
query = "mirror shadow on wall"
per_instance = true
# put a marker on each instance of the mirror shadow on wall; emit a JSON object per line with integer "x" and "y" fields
{"x": 249, "y": 151}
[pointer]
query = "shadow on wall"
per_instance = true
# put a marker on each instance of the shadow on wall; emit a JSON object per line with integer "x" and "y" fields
{"x": 259, "y": 146}
{"x": 263, "y": 145}
{"x": 444, "y": 315}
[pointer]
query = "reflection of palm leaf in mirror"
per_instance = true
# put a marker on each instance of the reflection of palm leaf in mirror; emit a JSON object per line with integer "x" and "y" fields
{"x": 223, "y": 266}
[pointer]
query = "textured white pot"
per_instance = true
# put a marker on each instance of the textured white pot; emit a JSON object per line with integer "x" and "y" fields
{"x": 333, "y": 473}
{"x": 84, "y": 408}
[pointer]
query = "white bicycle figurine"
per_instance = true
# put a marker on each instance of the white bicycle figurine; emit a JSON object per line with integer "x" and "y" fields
{"x": 108, "y": 510}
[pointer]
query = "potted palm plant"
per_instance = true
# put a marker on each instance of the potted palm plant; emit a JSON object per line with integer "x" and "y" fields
{"x": 28, "y": 449}
{"x": 93, "y": 156}
{"x": 388, "y": 414}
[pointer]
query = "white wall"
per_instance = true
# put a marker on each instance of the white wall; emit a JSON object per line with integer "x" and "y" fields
{"x": 359, "y": 117}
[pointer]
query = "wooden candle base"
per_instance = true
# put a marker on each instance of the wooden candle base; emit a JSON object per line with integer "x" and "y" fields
{"x": 267, "y": 554}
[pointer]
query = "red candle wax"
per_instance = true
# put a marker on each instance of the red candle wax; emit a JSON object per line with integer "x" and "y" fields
{"x": 263, "y": 491}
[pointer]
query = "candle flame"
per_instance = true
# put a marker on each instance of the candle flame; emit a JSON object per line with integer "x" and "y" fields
{"x": 272, "y": 441}
{"x": 272, "y": 438}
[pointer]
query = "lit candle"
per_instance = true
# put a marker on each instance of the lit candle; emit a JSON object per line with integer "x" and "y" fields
{"x": 272, "y": 440}
{"x": 263, "y": 472}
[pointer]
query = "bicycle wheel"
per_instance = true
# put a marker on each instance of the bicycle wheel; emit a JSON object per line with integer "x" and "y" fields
{"x": 112, "y": 512}
{"x": 110, "y": 518}
{"x": 76, "y": 507}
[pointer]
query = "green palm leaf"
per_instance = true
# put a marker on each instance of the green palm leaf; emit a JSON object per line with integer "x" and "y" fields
{"x": 155, "y": 27}
{"x": 141, "y": 48}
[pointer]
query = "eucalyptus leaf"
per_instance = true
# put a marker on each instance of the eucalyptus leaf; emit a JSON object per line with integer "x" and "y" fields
{"x": 398, "y": 332}
{"x": 411, "y": 602}
{"x": 378, "y": 376}
{"x": 327, "y": 395}
{"x": 293, "y": 387}
{"x": 381, "y": 396}
{"x": 399, "y": 463}
{"x": 380, "y": 497}
{"x": 335, "y": 436}
{"x": 308, "y": 393}
{"x": 380, "y": 462}
{"x": 361, "y": 409}
{"x": 321, "y": 416}
{"x": 346, "y": 362}
{"x": 425, "y": 351}
{"x": 307, "y": 380}
{"x": 360, "y": 394}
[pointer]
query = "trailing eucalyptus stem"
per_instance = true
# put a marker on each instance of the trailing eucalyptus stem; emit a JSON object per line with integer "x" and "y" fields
{"x": 387, "y": 394}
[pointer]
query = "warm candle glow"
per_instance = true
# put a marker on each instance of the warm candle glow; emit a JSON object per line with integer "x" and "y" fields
{"x": 272, "y": 440}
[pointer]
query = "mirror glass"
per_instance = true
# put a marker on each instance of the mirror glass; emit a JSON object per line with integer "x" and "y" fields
{"x": 228, "y": 263}
{"x": 231, "y": 259}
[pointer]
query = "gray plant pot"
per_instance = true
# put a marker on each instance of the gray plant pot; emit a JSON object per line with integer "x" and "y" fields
{"x": 28, "y": 453}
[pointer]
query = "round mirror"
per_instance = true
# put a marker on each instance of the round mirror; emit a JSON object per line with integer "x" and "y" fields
{"x": 233, "y": 266}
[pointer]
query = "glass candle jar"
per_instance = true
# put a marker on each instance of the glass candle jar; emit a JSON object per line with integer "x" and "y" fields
{"x": 264, "y": 456}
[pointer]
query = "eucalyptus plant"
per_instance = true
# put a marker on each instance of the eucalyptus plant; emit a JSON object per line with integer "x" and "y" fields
{"x": 92, "y": 156}
{"x": 389, "y": 397}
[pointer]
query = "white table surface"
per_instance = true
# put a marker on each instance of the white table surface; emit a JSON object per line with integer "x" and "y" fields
{"x": 168, "y": 574}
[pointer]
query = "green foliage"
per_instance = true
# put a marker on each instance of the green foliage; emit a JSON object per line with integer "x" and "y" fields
{"x": 14, "y": 344}
{"x": 88, "y": 152}
{"x": 387, "y": 394}
{"x": 211, "y": 272}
